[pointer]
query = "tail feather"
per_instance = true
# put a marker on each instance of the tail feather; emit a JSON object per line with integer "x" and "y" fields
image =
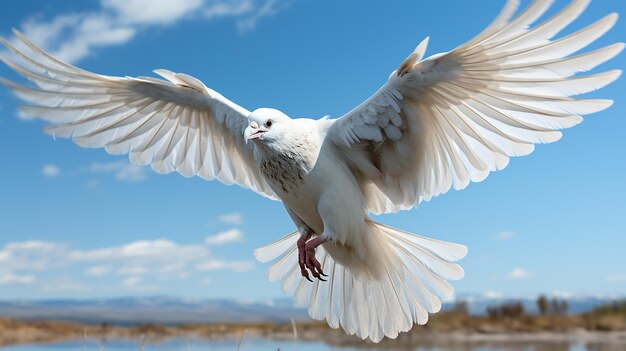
{"x": 443, "y": 249}
{"x": 412, "y": 283}
{"x": 277, "y": 248}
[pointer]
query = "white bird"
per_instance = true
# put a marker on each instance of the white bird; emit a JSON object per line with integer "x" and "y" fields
{"x": 437, "y": 123}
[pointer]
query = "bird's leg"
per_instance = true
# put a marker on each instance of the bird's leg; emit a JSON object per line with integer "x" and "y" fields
{"x": 305, "y": 235}
{"x": 311, "y": 262}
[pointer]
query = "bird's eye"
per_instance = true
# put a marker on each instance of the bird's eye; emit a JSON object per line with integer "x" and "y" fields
{"x": 268, "y": 123}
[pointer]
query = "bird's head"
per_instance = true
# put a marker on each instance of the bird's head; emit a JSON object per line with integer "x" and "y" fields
{"x": 266, "y": 125}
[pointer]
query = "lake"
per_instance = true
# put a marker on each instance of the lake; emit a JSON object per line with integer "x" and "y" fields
{"x": 273, "y": 345}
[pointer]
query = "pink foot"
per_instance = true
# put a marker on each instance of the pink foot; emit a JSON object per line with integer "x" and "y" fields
{"x": 302, "y": 256}
{"x": 310, "y": 261}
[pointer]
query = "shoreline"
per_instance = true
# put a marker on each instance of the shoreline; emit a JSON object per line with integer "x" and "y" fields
{"x": 14, "y": 332}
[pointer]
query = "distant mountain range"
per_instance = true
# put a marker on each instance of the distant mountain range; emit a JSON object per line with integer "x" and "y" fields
{"x": 158, "y": 310}
{"x": 173, "y": 311}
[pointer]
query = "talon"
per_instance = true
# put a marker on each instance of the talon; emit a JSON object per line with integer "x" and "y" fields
{"x": 311, "y": 267}
{"x": 311, "y": 263}
{"x": 306, "y": 257}
{"x": 305, "y": 273}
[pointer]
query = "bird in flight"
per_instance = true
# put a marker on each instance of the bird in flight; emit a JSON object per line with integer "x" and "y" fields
{"x": 437, "y": 123}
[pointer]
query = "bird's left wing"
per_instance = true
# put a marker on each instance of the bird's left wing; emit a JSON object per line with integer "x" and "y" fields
{"x": 174, "y": 125}
{"x": 455, "y": 117}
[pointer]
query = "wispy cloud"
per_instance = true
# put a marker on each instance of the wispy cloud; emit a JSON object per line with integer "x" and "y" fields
{"x": 151, "y": 12}
{"x": 10, "y": 278}
{"x": 51, "y": 171}
{"x": 136, "y": 266}
{"x": 215, "y": 265}
{"x": 613, "y": 278}
{"x": 32, "y": 245}
{"x": 492, "y": 294}
{"x": 519, "y": 274}
{"x": 74, "y": 36}
{"x": 504, "y": 235}
{"x": 98, "y": 271}
{"x": 269, "y": 8}
{"x": 234, "y": 218}
{"x": 32, "y": 255}
{"x": 219, "y": 9}
{"x": 137, "y": 283}
{"x": 229, "y": 236}
{"x": 122, "y": 170}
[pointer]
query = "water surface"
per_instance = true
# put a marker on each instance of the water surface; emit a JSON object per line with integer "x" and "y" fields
{"x": 283, "y": 345}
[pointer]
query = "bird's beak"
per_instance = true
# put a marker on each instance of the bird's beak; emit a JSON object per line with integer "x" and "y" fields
{"x": 253, "y": 132}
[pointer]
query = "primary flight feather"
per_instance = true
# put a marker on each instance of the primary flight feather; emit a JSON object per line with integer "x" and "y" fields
{"x": 437, "y": 123}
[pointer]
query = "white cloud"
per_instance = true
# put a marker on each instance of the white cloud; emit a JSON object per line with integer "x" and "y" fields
{"x": 151, "y": 11}
{"x": 72, "y": 37}
{"x": 98, "y": 271}
{"x": 32, "y": 255}
{"x": 133, "y": 270}
{"x": 216, "y": 265}
{"x": 229, "y": 236}
{"x": 33, "y": 245}
{"x": 269, "y": 8}
{"x": 51, "y": 171}
{"x": 151, "y": 251}
{"x": 136, "y": 283}
{"x": 92, "y": 32}
{"x": 616, "y": 278}
{"x": 228, "y": 9}
{"x": 122, "y": 170}
{"x": 132, "y": 281}
{"x": 10, "y": 278}
{"x": 490, "y": 294}
{"x": 518, "y": 274}
{"x": 505, "y": 235}
{"x": 231, "y": 218}
{"x": 159, "y": 259}
{"x": 47, "y": 33}
{"x": 132, "y": 263}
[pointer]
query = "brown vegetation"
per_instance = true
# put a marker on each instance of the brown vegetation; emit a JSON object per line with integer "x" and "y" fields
{"x": 506, "y": 319}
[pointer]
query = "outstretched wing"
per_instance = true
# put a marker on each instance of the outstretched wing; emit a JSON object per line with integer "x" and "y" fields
{"x": 454, "y": 117}
{"x": 174, "y": 125}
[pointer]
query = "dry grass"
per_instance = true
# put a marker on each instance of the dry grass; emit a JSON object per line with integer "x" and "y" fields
{"x": 456, "y": 322}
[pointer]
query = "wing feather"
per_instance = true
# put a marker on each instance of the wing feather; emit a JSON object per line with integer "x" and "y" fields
{"x": 453, "y": 118}
{"x": 177, "y": 124}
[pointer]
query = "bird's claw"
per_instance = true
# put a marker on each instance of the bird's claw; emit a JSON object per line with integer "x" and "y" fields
{"x": 307, "y": 260}
{"x": 314, "y": 265}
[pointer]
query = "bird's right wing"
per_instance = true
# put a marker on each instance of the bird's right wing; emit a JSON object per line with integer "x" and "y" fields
{"x": 174, "y": 125}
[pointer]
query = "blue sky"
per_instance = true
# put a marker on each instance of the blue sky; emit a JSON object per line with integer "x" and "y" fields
{"x": 81, "y": 223}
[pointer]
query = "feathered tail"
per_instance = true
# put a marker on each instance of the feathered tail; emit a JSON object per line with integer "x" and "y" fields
{"x": 411, "y": 286}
